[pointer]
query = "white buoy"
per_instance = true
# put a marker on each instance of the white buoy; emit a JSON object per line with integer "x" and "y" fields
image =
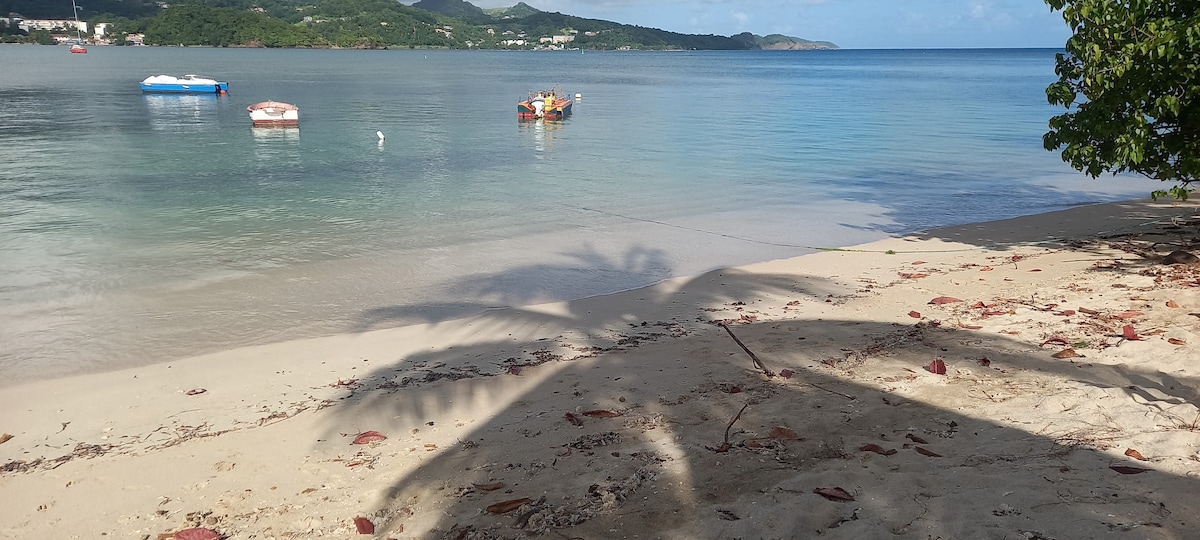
{"x": 380, "y": 134}
{"x": 578, "y": 97}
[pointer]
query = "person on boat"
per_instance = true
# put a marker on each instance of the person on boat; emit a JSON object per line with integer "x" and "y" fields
{"x": 539, "y": 105}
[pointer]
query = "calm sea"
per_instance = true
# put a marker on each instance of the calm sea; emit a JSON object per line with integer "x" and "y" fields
{"x": 138, "y": 229}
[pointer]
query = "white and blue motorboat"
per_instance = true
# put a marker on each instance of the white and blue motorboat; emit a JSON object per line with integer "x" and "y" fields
{"x": 187, "y": 84}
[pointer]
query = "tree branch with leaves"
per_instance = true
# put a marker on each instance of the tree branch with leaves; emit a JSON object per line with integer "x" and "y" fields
{"x": 1128, "y": 79}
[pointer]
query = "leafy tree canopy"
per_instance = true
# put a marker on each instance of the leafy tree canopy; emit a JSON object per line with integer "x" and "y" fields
{"x": 1128, "y": 80}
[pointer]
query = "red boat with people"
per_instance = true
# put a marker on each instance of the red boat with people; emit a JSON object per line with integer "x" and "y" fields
{"x": 553, "y": 104}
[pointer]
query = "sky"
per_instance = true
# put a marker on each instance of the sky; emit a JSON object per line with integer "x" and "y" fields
{"x": 851, "y": 24}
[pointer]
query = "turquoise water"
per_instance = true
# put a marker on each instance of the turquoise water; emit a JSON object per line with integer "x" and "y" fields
{"x": 136, "y": 229}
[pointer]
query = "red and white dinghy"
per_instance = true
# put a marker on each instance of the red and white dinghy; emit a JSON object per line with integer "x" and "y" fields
{"x": 274, "y": 114}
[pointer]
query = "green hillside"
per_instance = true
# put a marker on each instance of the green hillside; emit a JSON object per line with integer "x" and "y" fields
{"x": 451, "y": 24}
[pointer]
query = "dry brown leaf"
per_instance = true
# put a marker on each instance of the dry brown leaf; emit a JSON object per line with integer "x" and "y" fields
{"x": 916, "y": 439}
{"x": 907, "y": 275}
{"x": 574, "y": 419}
{"x": 877, "y": 449}
{"x": 1128, "y": 333}
{"x": 781, "y": 433}
{"x": 914, "y": 314}
{"x": 195, "y": 391}
{"x": 786, "y": 373}
{"x": 937, "y": 367}
{"x": 925, "y": 452}
{"x": 1127, "y": 470}
{"x": 364, "y": 525}
{"x": 508, "y": 506}
{"x": 489, "y": 487}
{"x": 368, "y": 437}
{"x": 598, "y": 413}
{"x": 1128, "y": 314}
{"x": 1172, "y": 341}
{"x": 5, "y": 438}
{"x": 1066, "y": 353}
{"x": 944, "y": 300}
{"x": 1172, "y": 304}
{"x": 196, "y": 533}
{"x": 834, "y": 494}
{"x": 1057, "y": 340}
{"x": 1135, "y": 454}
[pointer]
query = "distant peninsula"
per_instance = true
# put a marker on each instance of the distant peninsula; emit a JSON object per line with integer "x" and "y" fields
{"x": 360, "y": 24}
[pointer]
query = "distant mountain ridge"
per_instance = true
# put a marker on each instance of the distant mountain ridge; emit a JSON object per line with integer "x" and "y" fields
{"x": 379, "y": 24}
{"x": 461, "y": 9}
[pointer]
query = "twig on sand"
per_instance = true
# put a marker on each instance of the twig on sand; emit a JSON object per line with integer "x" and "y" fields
{"x": 725, "y": 446}
{"x": 757, "y": 363}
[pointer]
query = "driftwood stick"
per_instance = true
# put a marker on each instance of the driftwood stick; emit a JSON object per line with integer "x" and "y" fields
{"x": 757, "y": 363}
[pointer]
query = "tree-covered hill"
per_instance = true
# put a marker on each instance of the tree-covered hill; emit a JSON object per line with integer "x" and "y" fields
{"x": 379, "y": 24}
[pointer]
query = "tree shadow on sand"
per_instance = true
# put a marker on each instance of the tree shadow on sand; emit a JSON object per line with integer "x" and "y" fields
{"x": 636, "y": 415}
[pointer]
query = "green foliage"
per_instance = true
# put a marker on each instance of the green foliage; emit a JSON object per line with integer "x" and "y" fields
{"x": 191, "y": 24}
{"x": 1128, "y": 82}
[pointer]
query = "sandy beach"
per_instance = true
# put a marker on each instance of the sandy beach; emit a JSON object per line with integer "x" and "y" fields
{"x": 1034, "y": 378}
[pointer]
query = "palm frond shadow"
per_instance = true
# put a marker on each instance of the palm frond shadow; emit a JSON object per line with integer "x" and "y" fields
{"x": 684, "y": 390}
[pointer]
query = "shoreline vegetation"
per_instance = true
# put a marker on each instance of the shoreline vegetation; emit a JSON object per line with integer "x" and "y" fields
{"x": 1028, "y": 378}
{"x": 377, "y": 24}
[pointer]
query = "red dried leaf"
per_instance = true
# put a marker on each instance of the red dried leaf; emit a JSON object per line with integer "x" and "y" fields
{"x": 195, "y": 391}
{"x": 489, "y": 487}
{"x": 917, "y": 262}
{"x": 968, "y": 326}
{"x": 368, "y": 437}
{"x": 986, "y": 269}
{"x": 1128, "y": 314}
{"x": 1056, "y": 340}
{"x": 834, "y": 494}
{"x": 514, "y": 370}
{"x": 1172, "y": 304}
{"x": 1036, "y": 270}
{"x": 916, "y": 439}
{"x": 1176, "y": 341}
{"x": 937, "y": 367}
{"x": 364, "y": 525}
{"x": 598, "y": 413}
{"x": 994, "y": 312}
{"x": 786, "y": 373}
{"x": 1128, "y": 333}
{"x": 1127, "y": 470}
{"x": 1088, "y": 311}
{"x": 1135, "y": 454}
{"x": 508, "y": 506}
{"x": 1066, "y": 313}
{"x": 925, "y": 452}
{"x": 197, "y": 533}
{"x": 781, "y": 433}
{"x": 753, "y": 443}
{"x": 907, "y": 275}
{"x": 985, "y": 362}
{"x": 914, "y": 314}
{"x": 877, "y": 449}
{"x": 944, "y": 300}
{"x": 574, "y": 419}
